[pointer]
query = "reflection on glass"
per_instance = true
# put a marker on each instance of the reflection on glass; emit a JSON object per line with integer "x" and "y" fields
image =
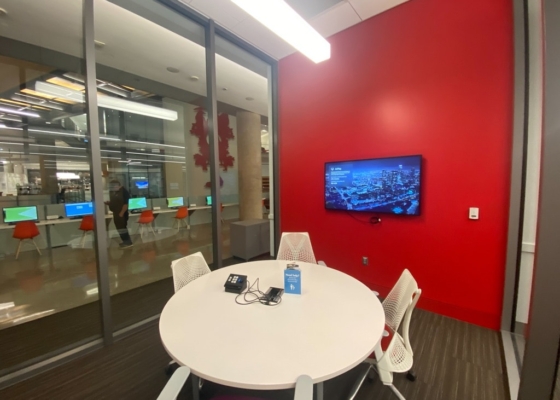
{"x": 48, "y": 268}
{"x": 151, "y": 95}
{"x": 244, "y": 153}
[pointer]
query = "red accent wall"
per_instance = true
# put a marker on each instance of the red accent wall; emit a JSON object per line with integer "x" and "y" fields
{"x": 430, "y": 77}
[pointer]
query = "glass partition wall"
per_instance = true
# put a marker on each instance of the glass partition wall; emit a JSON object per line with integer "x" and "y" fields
{"x": 243, "y": 119}
{"x": 48, "y": 264}
{"x": 107, "y": 165}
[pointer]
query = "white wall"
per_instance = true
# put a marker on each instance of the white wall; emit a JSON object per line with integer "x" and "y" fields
{"x": 533, "y": 160}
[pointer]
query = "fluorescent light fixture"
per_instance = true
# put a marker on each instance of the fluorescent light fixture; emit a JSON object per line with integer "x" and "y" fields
{"x": 57, "y": 155}
{"x": 67, "y": 175}
{"x": 4, "y": 306}
{"x": 154, "y": 155}
{"x": 281, "y": 19}
{"x": 107, "y": 102}
{"x": 12, "y": 143}
{"x": 31, "y": 316}
{"x": 156, "y": 144}
{"x": 19, "y": 112}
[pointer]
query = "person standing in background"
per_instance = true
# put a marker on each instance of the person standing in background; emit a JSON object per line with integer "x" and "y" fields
{"x": 118, "y": 204}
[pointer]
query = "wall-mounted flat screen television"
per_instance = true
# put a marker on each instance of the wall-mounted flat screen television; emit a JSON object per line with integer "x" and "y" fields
{"x": 382, "y": 185}
{"x": 141, "y": 184}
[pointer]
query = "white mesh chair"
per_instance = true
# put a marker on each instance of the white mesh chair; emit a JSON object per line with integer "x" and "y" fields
{"x": 188, "y": 268}
{"x": 296, "y": 246}
{"x": 398, "y": 356}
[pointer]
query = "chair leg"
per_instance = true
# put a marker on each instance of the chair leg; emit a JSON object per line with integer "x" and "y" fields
{"x": 396, "y": 392}
{"x": 152, "y": 228}
{"x": 37, "y": 247}
{"x": 18, "y": 248}
{"x": 82, "y": 242}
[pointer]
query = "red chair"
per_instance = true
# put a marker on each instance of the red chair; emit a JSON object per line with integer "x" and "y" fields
{"x": 26, "y": 230}
{"x": 181, "y": 217}
{"x": 146, "y": 219}
{"x": 86, "y": 225}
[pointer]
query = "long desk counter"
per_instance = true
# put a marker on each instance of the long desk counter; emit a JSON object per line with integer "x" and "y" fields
{"x": 60, "y": 232}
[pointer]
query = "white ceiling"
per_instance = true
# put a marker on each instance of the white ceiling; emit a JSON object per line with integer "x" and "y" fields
{"x": 326, "y": 16}
{"x": 132, "y": 44}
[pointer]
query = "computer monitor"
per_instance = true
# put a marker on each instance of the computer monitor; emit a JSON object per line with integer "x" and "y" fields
{"x": 78, "y": 210}
{"x": 19, "y": 214}
{"x": 208, "y": 200}
{"x": 137, "y": 203}
{"x": 175, "y": 202}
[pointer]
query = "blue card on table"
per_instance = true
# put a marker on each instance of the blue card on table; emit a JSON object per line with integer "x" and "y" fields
{"x": 292, "y": 280}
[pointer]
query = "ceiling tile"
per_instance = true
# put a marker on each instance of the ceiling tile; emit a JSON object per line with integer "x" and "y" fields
{"x": 335, "y": 19}
{"x": 257, "y": 34}
{"x": 369, "y": 8}
{"x": 224, "y": 12}
{"x": 309, "y": 9}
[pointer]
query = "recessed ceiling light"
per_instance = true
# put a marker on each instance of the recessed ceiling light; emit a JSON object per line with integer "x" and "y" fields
{"x": 173, "y": 70}
{"x": 193, "y": 78}
{"x": 224, "y": 88}
{"x": 99, "y": 44}
{"x": 249, "y": 98}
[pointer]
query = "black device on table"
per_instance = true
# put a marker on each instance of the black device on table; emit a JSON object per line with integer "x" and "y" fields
{"x": 236, "y": 283}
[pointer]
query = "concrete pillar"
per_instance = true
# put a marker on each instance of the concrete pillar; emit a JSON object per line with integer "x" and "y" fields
{"x": 249, "y": 165}
{"x": 174, "y": 180}
{"x": 49, "y": 181}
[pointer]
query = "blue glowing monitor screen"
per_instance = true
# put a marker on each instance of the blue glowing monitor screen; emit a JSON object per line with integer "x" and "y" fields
{"x": 208, "y": 200}
{"x": 381, "y": 185}
{"x": 78, "y": 209}
{"x": 142, "y": 184}
{"x": 137, "y": 203}
{"x": 19, "y": 214}
{"x": 175, "y": 202}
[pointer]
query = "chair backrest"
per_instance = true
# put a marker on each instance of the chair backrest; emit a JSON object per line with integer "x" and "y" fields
{"x": 182, "y": 212}
{"x": 87, "y": 223}
{"x": 25, "y": 230}
{"x": 146, "y": 217}
{"x": 296, "y": 246}
{"x": 188, "y": 268}
{"x": 400, "y": 303}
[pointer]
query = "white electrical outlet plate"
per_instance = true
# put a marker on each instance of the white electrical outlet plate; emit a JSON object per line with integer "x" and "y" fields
{"x": 473, "y": 213}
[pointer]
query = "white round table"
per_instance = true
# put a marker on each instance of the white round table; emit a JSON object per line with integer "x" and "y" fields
{"x": 330, "y": 328}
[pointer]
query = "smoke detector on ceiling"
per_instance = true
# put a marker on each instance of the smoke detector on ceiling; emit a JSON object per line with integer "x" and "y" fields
{"x": 173, "y": 70}
{"x": 99, "y": 44}
{"x": 193, "y": 78}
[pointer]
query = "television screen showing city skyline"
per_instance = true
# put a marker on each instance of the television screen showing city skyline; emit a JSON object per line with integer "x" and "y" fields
{"x": 382, "y": 185}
